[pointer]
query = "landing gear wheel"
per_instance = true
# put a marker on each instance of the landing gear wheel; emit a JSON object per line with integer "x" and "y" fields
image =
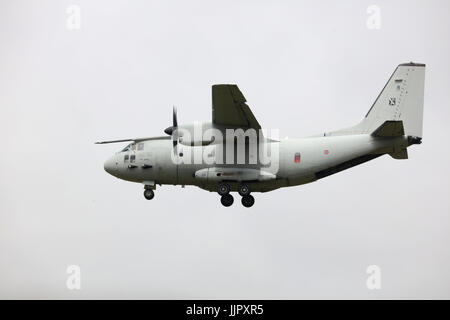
{"x": 223, "y": 189}
{"x": 248, "y": 201}
{"x": 244, "y": 190}
{"x": 227, "y": 200}
{"x": 149, "y": 194}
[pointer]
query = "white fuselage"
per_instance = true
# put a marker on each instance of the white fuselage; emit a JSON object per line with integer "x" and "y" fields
{"x": 298, "y": 161}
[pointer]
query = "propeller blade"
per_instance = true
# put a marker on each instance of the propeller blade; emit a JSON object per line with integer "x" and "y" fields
{"x": 175, "y": 137}
{"x": 175, "y": 141}
{"x": 173, "y": 130}
{"x": 169, "y": 131}
{"x": 174, "y": 116}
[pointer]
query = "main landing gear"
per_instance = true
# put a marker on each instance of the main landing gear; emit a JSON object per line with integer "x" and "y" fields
{"x": 244, "y": 190}
{"x": 248, "y": 201}
{"x": 227, "y": 199}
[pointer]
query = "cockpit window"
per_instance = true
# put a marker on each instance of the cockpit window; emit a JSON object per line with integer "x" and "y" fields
{"x": 125, "y": 158}
{"x": 133, "y": 146}
{"x": 140, "y": 146}
{"x": 126, "y": 148}
{"x": 132, "y": 158}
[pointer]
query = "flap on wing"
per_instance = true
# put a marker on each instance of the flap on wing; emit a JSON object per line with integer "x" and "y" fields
{"x": 229, "y": 107}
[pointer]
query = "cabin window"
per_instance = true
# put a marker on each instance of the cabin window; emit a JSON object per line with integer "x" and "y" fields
{"x": 297, "y": 157}
{"x": 132, "y": 158}
{"x": 140, "y": 146}
{"x": 125, "y": 158}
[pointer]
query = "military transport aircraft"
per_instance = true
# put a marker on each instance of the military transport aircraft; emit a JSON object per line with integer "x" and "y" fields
{"x": 232, "y": 153}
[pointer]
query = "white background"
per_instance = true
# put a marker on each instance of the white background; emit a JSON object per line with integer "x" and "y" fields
{"x": 305, "y": 67}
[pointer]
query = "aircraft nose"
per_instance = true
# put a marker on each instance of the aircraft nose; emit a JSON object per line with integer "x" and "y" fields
{"x": 110, "y": 165}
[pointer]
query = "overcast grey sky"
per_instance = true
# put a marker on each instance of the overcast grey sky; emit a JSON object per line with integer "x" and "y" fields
{"x": 305, "y": 67}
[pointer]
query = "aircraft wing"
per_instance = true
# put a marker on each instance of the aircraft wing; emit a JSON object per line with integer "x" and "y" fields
{"x": 229, "y": 108}
{"x": 136, "y": 140}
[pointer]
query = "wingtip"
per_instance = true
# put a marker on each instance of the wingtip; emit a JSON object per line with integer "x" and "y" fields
{"x": 223, "y": 85}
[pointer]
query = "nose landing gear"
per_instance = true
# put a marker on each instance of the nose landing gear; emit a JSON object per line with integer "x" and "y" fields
{"x": 149, "y": 194}
{"x": 149, "y": 186}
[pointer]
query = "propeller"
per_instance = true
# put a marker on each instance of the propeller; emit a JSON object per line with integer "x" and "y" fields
{"x": 173, "y": 130}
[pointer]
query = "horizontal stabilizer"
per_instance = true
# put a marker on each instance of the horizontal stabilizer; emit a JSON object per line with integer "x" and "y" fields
{"x": 390, "y": 128}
